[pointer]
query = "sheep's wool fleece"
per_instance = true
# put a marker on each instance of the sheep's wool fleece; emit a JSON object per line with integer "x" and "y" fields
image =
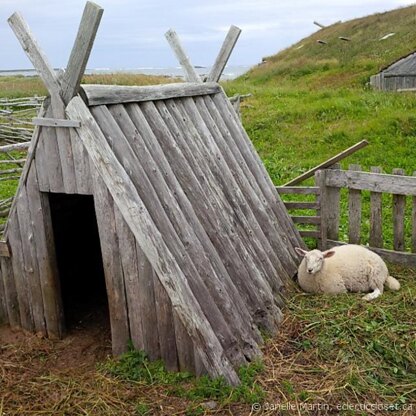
{"x": 352, "y": 268}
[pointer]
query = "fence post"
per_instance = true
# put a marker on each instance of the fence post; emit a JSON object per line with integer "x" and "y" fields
{"x": 399, "y": 206}
{"x": 329, "y": 201}
{"x": 320, "y": 182}
{"x": 376, "y": 218}
{"x": 354, "y": 212}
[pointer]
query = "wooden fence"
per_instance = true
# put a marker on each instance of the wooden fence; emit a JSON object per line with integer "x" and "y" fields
{"x": 16, "y": 118}
{"x": 326, "y": 212}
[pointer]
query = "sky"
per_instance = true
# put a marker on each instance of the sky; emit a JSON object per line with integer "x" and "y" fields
{"x": 131, "y": 34}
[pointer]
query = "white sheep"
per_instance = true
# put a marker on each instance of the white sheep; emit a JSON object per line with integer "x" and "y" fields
{"x": 347, "y": 268}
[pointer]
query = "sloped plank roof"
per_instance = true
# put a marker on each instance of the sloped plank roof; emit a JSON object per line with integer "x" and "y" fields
{"x": 181, "y": 167}
{"x": 405, "y": 65}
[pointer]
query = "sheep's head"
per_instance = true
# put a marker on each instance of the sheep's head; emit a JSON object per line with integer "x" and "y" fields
{"x": 314, "y": 259}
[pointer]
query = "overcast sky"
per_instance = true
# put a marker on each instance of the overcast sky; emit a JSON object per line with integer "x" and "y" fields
{"x": 131, "y": 34}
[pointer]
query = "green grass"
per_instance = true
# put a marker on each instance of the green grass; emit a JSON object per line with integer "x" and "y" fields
{"x": 134, "y": 366}
{"x": 346, "y": 350}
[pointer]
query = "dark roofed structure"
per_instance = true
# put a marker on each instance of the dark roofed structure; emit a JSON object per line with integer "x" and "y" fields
{"x": 400, "y": 75}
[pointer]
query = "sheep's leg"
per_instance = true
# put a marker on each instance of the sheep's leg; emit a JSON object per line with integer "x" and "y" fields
{"x": 372, "y": 295}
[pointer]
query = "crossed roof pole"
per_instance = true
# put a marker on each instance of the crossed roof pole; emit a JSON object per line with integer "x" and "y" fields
{"x": 63, "y": 86}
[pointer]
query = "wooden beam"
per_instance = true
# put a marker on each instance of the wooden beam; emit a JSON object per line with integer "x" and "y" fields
{"x": 4, "y": 249}
{"x": 55, "y": 122}
{"x": 397, "y": 257}
{"x": 81, "y": 50}
{"x": 190, "y": 73}
{"x": 374, "y": 182}
{"x": 304, "y": 190}
{"x": 115, "y": 94}
{"x": 328, "y": 163}
{"x": 35, "y": 53}
{"x": 224, "y": 54}
{"x": 15, "y": 147}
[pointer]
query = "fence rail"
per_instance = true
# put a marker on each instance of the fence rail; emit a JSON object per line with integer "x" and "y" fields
{"x": 16, "y": 118}
{"x": 325, "y": 212}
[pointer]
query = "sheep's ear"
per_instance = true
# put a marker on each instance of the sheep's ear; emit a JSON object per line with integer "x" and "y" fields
{"x": 328, "y": 253}
{"x": 300, "y": 251}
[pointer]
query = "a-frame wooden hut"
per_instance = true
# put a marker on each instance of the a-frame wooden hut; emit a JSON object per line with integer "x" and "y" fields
{"x": 167, "y": 196}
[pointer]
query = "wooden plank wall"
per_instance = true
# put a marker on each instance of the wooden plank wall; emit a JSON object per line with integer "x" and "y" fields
{"x": 30, "y": 275}
{"x": 140, "y": 308}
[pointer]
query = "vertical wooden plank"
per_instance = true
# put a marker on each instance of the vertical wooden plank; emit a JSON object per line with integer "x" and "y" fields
{"x": 200, "y": 369}
{"x": 147, "y": 304}
{"x": 52, "y": 159}
{"x": 81, "y": 165}
{"x": 114, "y": 277}
{"x": 354, "y": 212}
{"x": 166, "y": 328}
{"x": 20, "y": 274}
{"x": 184, "y": 346}
{"x": 399, "y": 206}
{"x": 63, "y": 137}
{"x": 4, "y": 316}
{"x": 320, "y": 181}
{"x": 46, "y": 256}
{"x": 376, "y": 218}
{"x": 414, "y": 222}
{"x": 40, "y": 163}
{"x": 129, "y": 261}
{"x": 30, "y": 263}
{"x": 10, "y": 292}
{"x": 332, "y": 210}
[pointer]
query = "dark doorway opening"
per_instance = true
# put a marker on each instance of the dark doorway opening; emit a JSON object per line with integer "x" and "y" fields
{"x": 80, "y": 263}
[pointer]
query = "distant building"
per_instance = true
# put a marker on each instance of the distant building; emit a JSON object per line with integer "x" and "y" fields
{"x": 399, "y": 75}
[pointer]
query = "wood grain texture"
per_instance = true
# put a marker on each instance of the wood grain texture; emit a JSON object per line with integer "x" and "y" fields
{"x": 54, "y": 122}
{"x": 130, "y": 265}
{"x": 140, "y": 222}
{"x": 376, "y": 217}
{"x": 116, "y": 94}
{"x": 224, "y": 54}
{"x": 399, "y": 206}
{"x": 22, "y": 286}
{"x": 173, "y": 39}
{"x": 10, "y": 293}
{"x": 46, "y": 256}
{"x": 81, "y": 50}
{"x": 354, "y": 212}
{"x": 113, "y": 270}
{"x": 248, "y": 196}
{"x": 180, "y": 141}
{"x": 34, "y": 53}
{"x": 4, "y": 316}
{"x": 30, "y": 262}
{"x": 180, "y": 236}
{"x": 258, "y": 171}
{"x": 391, "y": 184}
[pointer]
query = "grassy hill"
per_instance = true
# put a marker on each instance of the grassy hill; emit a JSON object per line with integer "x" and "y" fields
{"x": 309, "y": 103}
{"x": 341, "y": 63}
